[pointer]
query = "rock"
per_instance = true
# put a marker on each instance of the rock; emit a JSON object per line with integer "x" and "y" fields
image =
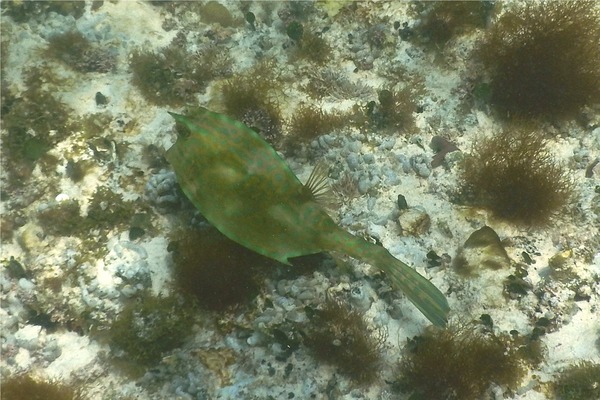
{"x": 360, "y": 298}
{"x": 162, "y": 191}
{"x": 414, "y": 222}
{"x": 368, "y": 158}
{"x": 421, "y": 166}
{"x": 352, "y": 161}
{"x": 31, "y": 237}
{"x": 483, "y": 249}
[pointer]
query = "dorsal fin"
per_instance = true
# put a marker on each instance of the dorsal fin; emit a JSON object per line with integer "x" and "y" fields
{"x": 318, "y": 185}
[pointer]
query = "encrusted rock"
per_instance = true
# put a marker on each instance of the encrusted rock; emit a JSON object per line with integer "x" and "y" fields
{"x": 414, "y": 222}
{"x": 162, "y": 191}
{"x": 483, "y": 249}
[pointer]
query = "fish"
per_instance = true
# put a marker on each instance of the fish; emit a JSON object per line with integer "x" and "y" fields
{"x": 241, "y": 185}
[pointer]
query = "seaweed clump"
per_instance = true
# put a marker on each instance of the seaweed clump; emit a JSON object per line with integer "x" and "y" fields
{"x": 107, "y": 208}
{"x": 313, "y": 48}
{"x": 310, "y": 122}
{"x": 542, "y": 59}
{"x": 443, "y": 20}
{"x": 174, "y": 77}
{"x": 23, "y": 11}
{"x": 393, "y": 110}
{"x": 106, "y": 211}
{"x": 215, "y": 13}
{"x": 149, "y": 328}
{"x": 24, "y": 387}
{"x": 579, "y": 381}
{"x": 459, "y": 363}
{"x": 63, "y": 219}
{"x": 329, "y": 83}
{"x": 75, "y": 51}
{"x": 250, "y": 98}
{"x": 35, "y": 121}
{"x": 514, "y": 176}
{"x": 341, "y": 336}
{"x": 214, "y": 270}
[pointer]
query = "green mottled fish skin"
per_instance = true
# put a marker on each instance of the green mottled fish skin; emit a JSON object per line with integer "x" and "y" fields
{"x": 241, "y": 186}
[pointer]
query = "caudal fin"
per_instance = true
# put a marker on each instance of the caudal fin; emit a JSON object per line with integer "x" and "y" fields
{"x": 420, "y": 291}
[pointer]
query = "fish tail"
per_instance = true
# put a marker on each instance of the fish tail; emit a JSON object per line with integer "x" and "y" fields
{"x": 420, "y": 291}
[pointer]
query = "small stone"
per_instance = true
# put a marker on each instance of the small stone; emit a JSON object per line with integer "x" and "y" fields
{"x": 218, "y": 362}
{"x": 404, "y": 162}
{"x": 26, "y": 284}
{"x": 359, "y": 298}
{"x": 433, "y": 260}
{"x": 306, "y": 295}
{"x": 422, "y": 170}
{"x": 61, "y": 197}
{"x": 352, "y": 161}
{"x": 355, "y": 146}
{"x": 256, "y": 339}
{"x": 391, "y": 179}
{"x": 28, "y": 337}
{"x": 329, "y": 139}
{"x": 51, "y": 351}
{"x": 295, "y": 316}
{"x": 101, "y": 99}
{"x": 162, "y": 191}
{"x": 322, "y": 142}
{"x": 31, "y": 237}
{"x": 371, "y": 201}
{"x": 395, "y": 310}
{"x": 128, "y": 291}
{"x": 388, "y": 144}
{"x": 421, "y": 166}
{"x": 402, "y": 203}
{"x": 364, "y": 185}
{"x": 23, "y": 358}
{"x": 15, "y": 269}
{"x": 250, "y": 18}
{"x": 414, "y": 222}
{"x": 136, "y": 232}
{"x": 8, "y": 322}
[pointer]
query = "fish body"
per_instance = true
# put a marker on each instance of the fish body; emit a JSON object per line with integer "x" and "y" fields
{"x": 242, "y": 187}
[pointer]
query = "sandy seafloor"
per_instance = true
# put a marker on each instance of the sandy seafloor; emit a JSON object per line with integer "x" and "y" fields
{"x": 71, "y": 355}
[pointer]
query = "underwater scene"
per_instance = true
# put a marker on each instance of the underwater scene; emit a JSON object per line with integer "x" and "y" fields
{"x": 259, "y": 200}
